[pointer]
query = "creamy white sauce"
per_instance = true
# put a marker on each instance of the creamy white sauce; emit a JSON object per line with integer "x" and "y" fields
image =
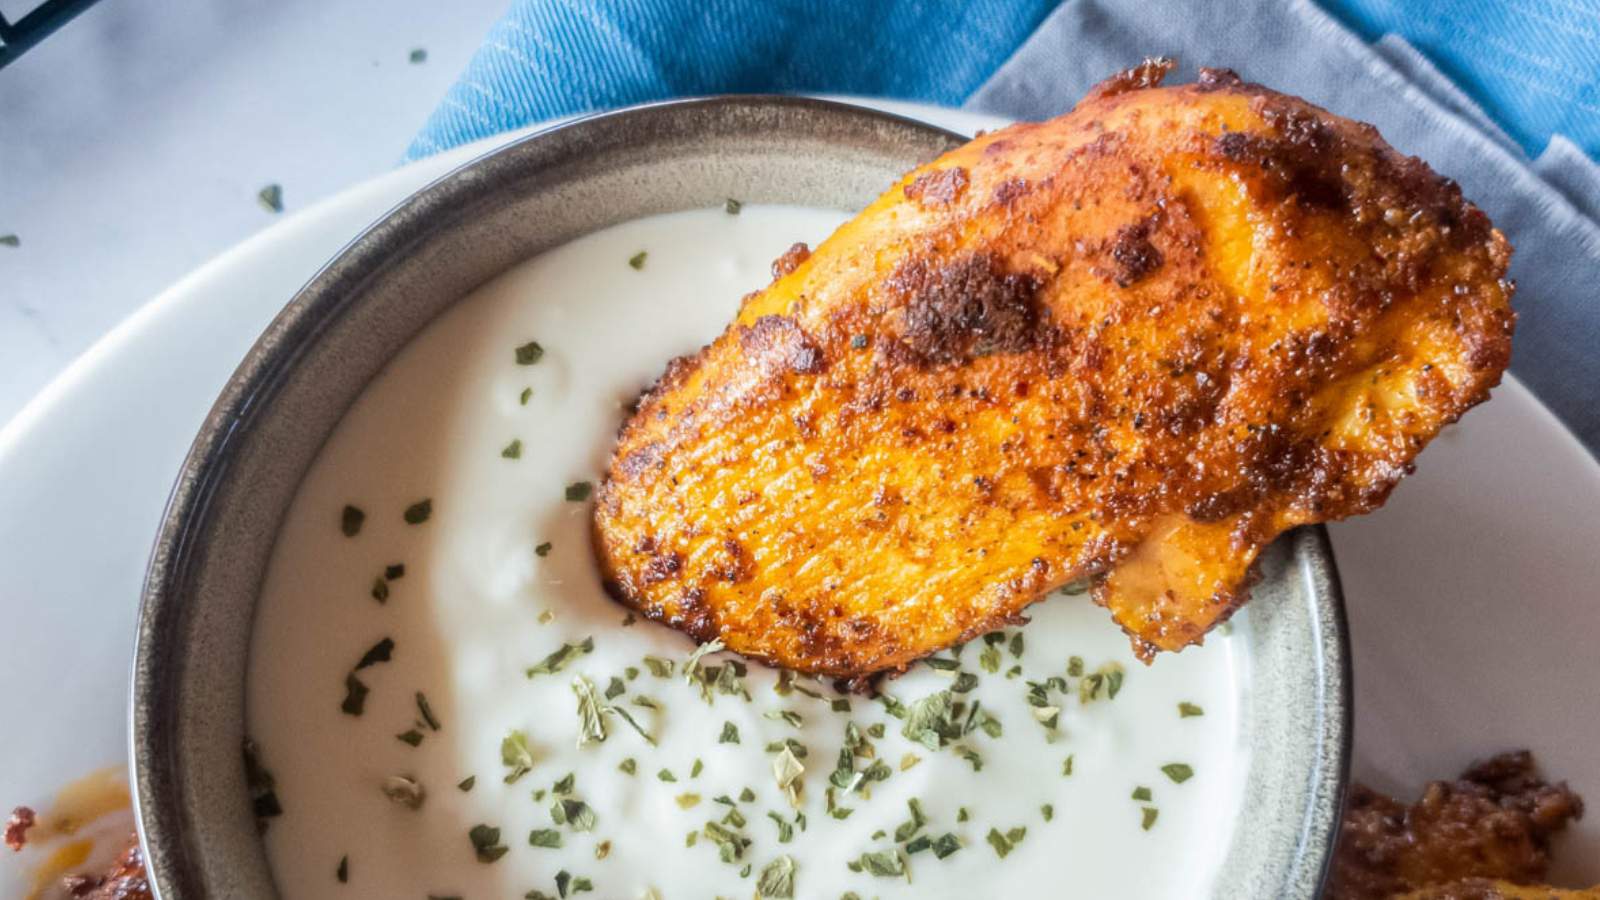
{"x": 477, "y": 605}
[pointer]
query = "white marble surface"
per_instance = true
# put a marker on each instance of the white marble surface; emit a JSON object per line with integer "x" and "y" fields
{"x": 134, "y": 140}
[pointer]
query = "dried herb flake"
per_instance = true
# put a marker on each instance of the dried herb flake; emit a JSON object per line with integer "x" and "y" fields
{"x": 350, "y": 520}
{"x": 529, "y": 353}
{"x": 355, "y": 696}
{"x": 381, "y": 652}
{"x": 777, "y": 877}
{"x": 271, "y": 198}
{"x": 419, "y": 512}
{"x": 486, "y": 843}
{"x": 516, "y": 755}
{"x": 560, "y": 657}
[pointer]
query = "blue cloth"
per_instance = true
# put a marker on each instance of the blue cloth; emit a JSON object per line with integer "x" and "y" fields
{"x": 550, "y": 58}
{"x": 1522, "y": 69}
{"x": 1533, "y": 65}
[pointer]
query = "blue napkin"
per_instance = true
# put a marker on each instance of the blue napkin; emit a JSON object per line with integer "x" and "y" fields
{"x": 1514, "y": 78}
{"x": 1533, "y": 65}
{"x": 550, "y": 58}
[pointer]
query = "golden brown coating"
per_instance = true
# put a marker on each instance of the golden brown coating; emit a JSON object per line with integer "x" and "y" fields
{"x": 125, "y": 880}
{"x": 1136, "y": 342}
{"x": 1479, "y": 836}
{"x": 21, "y": 820}
{"x": 1486, "y": 889}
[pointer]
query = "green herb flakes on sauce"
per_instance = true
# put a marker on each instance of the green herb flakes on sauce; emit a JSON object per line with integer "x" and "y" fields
{"x": 381, "y": 652}
{"x": 516, "y": 756}
{"x": 355, "y": 696}
{"x": 777, "y": 879}
{"x": 426, "y": 711}
{"x": 419, "y": 512}
{"x": 527, "y": 355}
{"x": 881, "y": 863}
{"x": 404, "y": 791}
{"x": 559, "y": 658}
{"x": 591, "y": 724}
{"x": 486, "y": 843}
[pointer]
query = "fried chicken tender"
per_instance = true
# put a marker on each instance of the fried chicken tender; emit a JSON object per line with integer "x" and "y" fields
{"x": 1483, "y": 836}
{"x": 1134, "y": 343}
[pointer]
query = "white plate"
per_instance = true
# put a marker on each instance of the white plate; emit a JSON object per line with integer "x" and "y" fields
{"x": 1471, "y": 595}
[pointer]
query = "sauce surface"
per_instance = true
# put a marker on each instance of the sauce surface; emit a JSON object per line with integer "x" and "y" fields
{"x": 1042, "y": 759}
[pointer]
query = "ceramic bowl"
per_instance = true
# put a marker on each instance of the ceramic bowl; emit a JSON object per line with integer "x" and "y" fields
{"x": 188, "y": 713}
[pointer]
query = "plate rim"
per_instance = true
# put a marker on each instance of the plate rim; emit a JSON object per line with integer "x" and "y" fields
{"x": 32, "y": 426}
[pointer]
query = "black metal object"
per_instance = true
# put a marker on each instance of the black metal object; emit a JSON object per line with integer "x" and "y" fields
{"x": 16, "y": 37}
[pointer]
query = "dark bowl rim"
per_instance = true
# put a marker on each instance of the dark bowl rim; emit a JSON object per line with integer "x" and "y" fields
{"x": 1334, "y": 659}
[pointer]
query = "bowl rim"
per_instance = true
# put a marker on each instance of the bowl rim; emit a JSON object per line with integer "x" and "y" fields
{"x": 1335, "y": 664}
{"x": 162, "y": 821}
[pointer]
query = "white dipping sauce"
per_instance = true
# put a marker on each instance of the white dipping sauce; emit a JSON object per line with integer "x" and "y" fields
{"x": 477, "y": 605}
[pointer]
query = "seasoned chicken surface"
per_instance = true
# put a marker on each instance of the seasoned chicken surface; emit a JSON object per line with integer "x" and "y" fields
{"x": 1484, "y": 836}
{"x": 1134, "y": 343}
{"x": 125, "y": 880}
{"x": 1486, "y": 889}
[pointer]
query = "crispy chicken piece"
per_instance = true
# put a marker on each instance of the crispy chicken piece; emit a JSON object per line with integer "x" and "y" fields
{"x": 126, "y": 879}
{"x": 18, "y": 825}
{"x": 1483, "y": 836}
{"x": 1485, "y": 889}
{"x": 1136, "y": 342}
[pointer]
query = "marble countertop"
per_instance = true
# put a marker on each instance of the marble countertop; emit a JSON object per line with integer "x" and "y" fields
{"x": 134, "y": 141}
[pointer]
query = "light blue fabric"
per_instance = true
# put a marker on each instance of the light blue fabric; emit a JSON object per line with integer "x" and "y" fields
{"x": 1533, "y": 65}
{"x": 550, "y": 58}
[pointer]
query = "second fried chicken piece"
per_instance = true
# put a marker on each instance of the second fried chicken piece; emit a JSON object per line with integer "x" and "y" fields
{"x": 1486, "y": 889}
{"x": 126, "y": 879}
{"x": 1493, "y": 824}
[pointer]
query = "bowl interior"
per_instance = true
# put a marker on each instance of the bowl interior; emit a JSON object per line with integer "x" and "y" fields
{"x": 339, "y": 331}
